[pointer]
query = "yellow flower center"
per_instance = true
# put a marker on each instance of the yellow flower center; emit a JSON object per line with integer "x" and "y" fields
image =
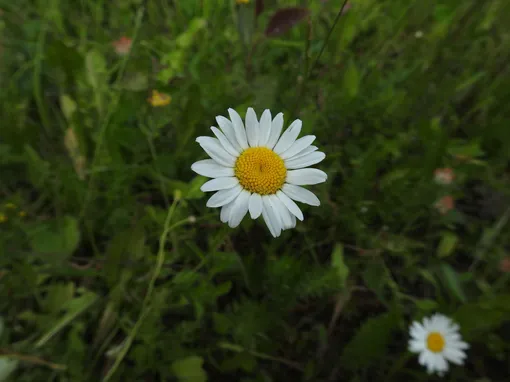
{"x": 260, "y": 170}
{"x": 435, "y": 342}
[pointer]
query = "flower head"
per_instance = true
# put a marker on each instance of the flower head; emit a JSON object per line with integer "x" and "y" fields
{"x": 445, "y": 204}
{"x": 418, "y": 34}
{"x": 242, "y": 1}
{"x": 504, "y": 264}
{"x": 122, "y": 46}
{"x": 438, "y": 342}
{"x": 444, "y": 176}
{"x": 257, "y": 169}
{"x": 3, "y": 218}
{"x": 159, "y": 99}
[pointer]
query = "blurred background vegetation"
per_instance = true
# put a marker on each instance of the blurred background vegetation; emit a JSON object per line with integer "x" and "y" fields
{"x": 113, "y": 269}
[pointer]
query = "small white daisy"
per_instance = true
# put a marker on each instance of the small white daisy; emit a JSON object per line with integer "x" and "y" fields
{"x": 437, "y": 340}
{"x": 258, "y": 169}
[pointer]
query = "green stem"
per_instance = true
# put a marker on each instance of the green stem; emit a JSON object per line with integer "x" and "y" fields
{"x": 145, "y": 305}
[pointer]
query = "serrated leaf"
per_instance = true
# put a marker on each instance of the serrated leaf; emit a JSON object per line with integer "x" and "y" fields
{"x": 189, "y": 369}
{"x": 370, "y": 342}
{"x": 447, "y": 244}
{"x": 284, "y": 19}
{"x": 478, "y": 318}
{"x": 337, "y": 262}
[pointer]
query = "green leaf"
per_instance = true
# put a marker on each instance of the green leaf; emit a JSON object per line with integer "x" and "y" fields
{"x": 370, "y": 342}
{"x": 447, "y": 245}
{"x": 73, "y": 308}
{"x": 38, "y": 169}
{"x": 193, "y": 188}
{"x": 136, "y": 82}
{"x": 478, "y": 318}
{"x": 7, "y": 366}
{"x": 452, "y": 282}
{"x": 68, "y": 106}
{"x": 427, "y": 305}
{"x": 189, "y": 369}
{"x": 337, "y": 262}
{"x": 58, "y": 238}
{"x": 95, "y": 65}
{"x": 351, "y": 80}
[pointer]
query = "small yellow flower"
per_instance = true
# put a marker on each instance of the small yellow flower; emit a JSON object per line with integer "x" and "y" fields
{"x": 159, "y": 99}
{"x": 22, "y": 214}
{"x": 10, "y": 206}
{"x": 242, "y": 1}
{"x": 3, "y": 218}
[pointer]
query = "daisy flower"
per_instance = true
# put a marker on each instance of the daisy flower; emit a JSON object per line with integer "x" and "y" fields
{"x": 444, "y": 176}
{"x": 438, "y": 342}
{"x": 445, "y": 204}
{"x": 122, "y": 46}
{"x": 257, "y": 169}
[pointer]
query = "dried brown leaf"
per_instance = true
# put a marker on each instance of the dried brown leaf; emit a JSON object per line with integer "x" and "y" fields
{"x": 284, "y": 19}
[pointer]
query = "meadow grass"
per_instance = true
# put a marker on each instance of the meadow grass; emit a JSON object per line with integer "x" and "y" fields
{"x": 113, "y": 269}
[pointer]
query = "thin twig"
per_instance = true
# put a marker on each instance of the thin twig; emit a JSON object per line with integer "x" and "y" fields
{"x": 31, "y": 359}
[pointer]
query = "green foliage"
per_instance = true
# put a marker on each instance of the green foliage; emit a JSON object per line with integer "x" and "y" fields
{"x": 113, "y": 269}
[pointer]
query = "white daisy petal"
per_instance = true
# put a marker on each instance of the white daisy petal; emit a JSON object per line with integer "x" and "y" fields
{"x": 252, "y": 127}
{"x": 293, "y": 220}
{"x": 225, "y": 142}
{"x": 281, "y": 211}
{"x": 255, "y": 205}
{"x": 306, "y": 176}
{"x": 228, "y": 129}
{"x": 306, "y": 151}
{"x": 441, "y": 364}
{"x": 269, "y": 223}
{"x": 211, "y": 169}
{"x": 289, "y": 203}
{"x": 454, "y": 355}
{"x": 239, "y": 209}
{"x": 423, "y": 358}
{"x": 223, "y": 197}
{"x": 305, "y": 161}
{"x": 239, "y": 130}
{"x": 416, "y": 346}
{"x": 298, "y": 146}
{"x": 288, "y": 137}
{"x": 225, "y": 212}
{"x": 219, "y": 184}
{"x": 214, "y": 149}
{"x": 276, "y": 130}
{"x": 418, "y": 331}
{"x": 265, "y": 127}
{"x": 272, "y": 215}
{"x": 301, "y": 194}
